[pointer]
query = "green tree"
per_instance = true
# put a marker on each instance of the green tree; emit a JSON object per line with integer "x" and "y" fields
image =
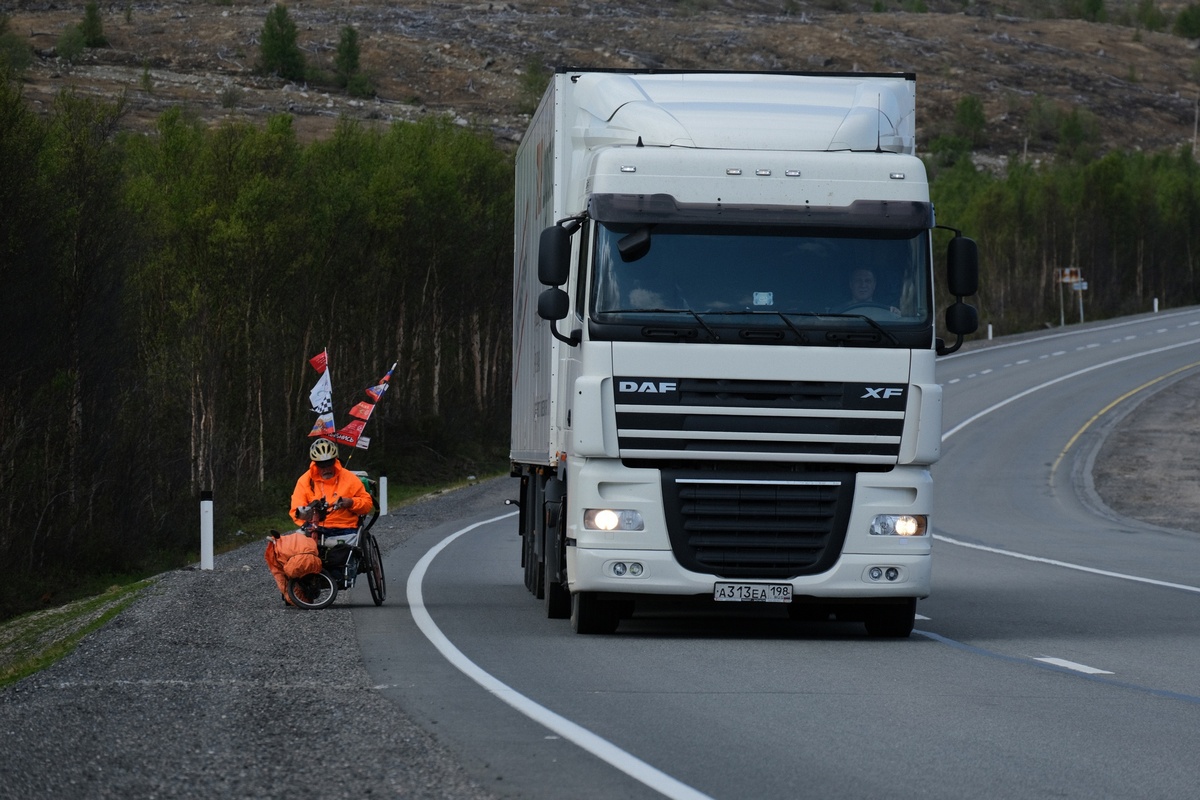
{"x": 278, "y": 46}
{"x": 1150, "y": 16}
{"x": 92, "y": 26}
{"x": 1091, "y": 10}
{"x": 533, "y": 84}
{"x": 346, "y": 66}
{"x": 345, "y": 62}
{"x": 1187, "y": 22}
{"x": 15, "y": 53}
{"x": 1078, "y": 135}
{"x": 946, "y": 151}
{"x": 969, "y": 120}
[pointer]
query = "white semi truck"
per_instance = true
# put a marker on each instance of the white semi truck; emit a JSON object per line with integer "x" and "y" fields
{"x": 724, "y": 343}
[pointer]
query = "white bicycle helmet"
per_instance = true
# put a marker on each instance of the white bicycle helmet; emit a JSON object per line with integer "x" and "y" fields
{"x": 323, "y": 450}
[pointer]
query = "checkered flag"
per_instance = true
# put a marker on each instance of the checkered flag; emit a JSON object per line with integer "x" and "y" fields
{"x": 321, "y": 396}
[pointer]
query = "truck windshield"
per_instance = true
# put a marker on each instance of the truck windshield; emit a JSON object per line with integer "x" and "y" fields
{"x": 796, "y": 280}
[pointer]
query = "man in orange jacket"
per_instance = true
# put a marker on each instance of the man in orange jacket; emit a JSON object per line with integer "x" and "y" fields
{"x": 340, "y": 488}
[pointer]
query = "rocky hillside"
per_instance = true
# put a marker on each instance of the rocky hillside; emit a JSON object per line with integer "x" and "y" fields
{"x": 485, "y": 63}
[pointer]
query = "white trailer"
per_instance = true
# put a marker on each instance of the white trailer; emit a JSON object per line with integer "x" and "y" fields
{"x": 724, "y": 343}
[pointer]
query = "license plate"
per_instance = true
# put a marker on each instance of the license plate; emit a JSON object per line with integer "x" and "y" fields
{"x": 753, "y": 592}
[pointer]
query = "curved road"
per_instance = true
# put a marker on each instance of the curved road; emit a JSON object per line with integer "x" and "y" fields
{"x": 1056, "y": 656}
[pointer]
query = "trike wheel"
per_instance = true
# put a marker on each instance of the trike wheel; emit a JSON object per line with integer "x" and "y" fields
{"x": 375, "y": 579}
{"x": 312, "y": 591}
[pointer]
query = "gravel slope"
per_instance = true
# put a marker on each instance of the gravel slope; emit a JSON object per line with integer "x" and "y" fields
{"x": 209, "y": 686}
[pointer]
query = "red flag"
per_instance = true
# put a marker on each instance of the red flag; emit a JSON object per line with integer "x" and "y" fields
{"x": 350, "y": 433}
{"x": 320, "y": 360}
{"x": 362, "y": 411}
{"x": 375, "y": 392}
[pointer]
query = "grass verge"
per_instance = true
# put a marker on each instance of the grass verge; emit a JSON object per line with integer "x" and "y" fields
{"x": 34, "y": 641}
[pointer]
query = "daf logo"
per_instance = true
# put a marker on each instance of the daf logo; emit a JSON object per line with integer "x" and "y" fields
{"x": 648, "y": 387}
{"x": 881, "y": 393}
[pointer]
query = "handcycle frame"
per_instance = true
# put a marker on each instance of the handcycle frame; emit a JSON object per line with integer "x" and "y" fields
{"x": 362, "y": 556}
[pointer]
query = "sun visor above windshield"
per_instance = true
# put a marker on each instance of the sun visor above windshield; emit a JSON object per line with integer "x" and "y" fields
{"x": 664, "y": 208}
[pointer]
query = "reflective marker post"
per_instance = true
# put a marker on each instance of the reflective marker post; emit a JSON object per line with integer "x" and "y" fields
{"x": 383, "y": 495}
{"x": 206, "y": 530}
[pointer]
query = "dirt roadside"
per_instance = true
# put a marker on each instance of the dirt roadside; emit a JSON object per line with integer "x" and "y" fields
{"x": 1149, "y": 465}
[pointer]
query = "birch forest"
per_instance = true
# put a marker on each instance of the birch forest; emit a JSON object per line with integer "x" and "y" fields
{"x": 163, "y": 294}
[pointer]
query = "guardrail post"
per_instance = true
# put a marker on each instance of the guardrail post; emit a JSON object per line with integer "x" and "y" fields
{"x": 206, "y": 530}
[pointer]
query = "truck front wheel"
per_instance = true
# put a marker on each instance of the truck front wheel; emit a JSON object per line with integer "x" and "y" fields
{"x": 590, "y": 614}
{"x": 892, "y": 621}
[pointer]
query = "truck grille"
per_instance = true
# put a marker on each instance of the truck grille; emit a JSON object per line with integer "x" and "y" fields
{"x": 739, "y": 420}
{"x": 757, "y": 526}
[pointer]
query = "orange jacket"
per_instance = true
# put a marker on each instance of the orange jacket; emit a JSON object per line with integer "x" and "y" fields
{"x": 344, "y": 483}
{"x": 291, "y": 556}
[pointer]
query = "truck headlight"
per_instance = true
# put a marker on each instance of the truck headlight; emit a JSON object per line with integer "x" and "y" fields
{"x": 900, "y": 525}
{"x": 613, "y": 519}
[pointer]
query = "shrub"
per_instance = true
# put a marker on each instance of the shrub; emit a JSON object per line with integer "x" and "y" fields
{"x": 360, "y": 85}
{"x": 70, "y": 44}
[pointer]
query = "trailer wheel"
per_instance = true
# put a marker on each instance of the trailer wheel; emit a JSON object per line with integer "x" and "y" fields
{"x": 590, "y": 614}
{"x": 892, "y": 621}
{"x": 533, "y": 568}
{"x": 558, "y": 600}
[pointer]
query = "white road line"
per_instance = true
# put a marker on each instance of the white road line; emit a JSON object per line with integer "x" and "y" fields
{"x": 1060, "y": 379}
{"x": 1062, "y": 662}
{"x": 1071, "y": 332}
{"x": 1066, "y": 564}
{"x": 603, "y": 749}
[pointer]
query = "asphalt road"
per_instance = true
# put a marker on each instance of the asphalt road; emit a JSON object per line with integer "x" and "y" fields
{"x": 1054, "y": 658}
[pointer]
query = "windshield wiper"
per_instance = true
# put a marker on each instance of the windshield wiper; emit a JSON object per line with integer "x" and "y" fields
{"x": 696, "y": 316}
{"x": 869, "y": 321}
{"x": 799, "y": 333}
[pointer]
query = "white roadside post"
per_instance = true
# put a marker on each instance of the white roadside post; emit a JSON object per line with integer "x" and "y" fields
{"x": 383, "y": 495}
{"x": 206, "y": 530}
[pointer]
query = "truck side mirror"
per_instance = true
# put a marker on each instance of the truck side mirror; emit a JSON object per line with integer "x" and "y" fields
{"x": 962, "y": 267}
{"x": 554, "y": 256}
{"x": 555, "y": 304}
{"x": 962, "y": 279}
{"x": 961, "y": 319}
